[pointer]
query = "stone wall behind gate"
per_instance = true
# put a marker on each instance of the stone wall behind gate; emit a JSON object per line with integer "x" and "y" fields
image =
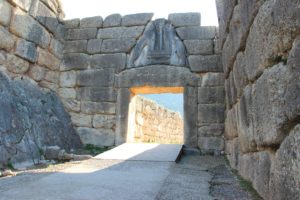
{"x": 260, "y": 42}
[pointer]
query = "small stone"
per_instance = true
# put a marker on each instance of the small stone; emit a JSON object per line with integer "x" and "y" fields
{"x": 71, "y": 105}
{"x": 136, "y": 19}
{"x": 67, "y": 79}
{"x": 78, "y": 46}
{"x": 26, "y": 50}
{"x": 117, "y": 45}
{"x": 112, "y": 20}
{"x": 52, "y": 76}
{"x": 185, "y": 19}
{"x": 197, "y": 33}
{"x": 47, "y": 59}
{"x": 94, "y": 46}
{"x": 67, "y": 93}
{"x": 5, "y": 10}
{"x": 16, "y": 65}
{"x": 81, "y": 34}
{"x": 91, "y": 22}
{"x": 72, "y": 23}
{"x": 37, "y": 73}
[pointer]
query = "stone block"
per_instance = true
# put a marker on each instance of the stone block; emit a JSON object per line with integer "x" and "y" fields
{"x": 114, "y": 61}
{"x": 7, "y": 40}
{"x": 67, "y": 79}
{"x": 67, "y": 93}
{"x": 98, "y": 107}
{"x": 120, "y": 32}
{"x": 72, "y": 23}
{"x": 52, "y": 4}
{"x": 48, "y": 85}
{"x": 24, "y": 4}
{"x": 211, "y": 95}
{"x": 91, "y": 22}
{"x": 106, "y": 94}
{"x": 81, "y": 120}
{"x": 211, "y": 63}
{"x": 78, "y": 46}
{"x": 71, "y": 105}
{"x": 211, "y": 143}
{"x": 246, "y": 167}
{"x": 231, "y": 130}
{"x": 26, "y": 27}
{"x": 52, "y": 76}
{"x": 232, "y": 152}
{"x": 16, "y": 65}
{"x": 136, "y": 19}
{"x": 97, "y": 137}
{"x": 117, "y": 45}
{"x": 202, "y": 47}
{"x": 239, "y": 74}
{"x": 197, "y": 33}
{"x": 96, "y": 78}
{"x": 60, "y": 32}
{"x": 104, "y": 121}
{"x": 211, "y": 113}
{"x": 112, "y": 20}
{"x": 2, "y": 58}
{"x": 81, "y": 34}
{"x": 46, "y": 17}
{"x": 211, "y": 130}
{"x": 56, "y": 48}
{"x": 37, "y": 73}
{"x": 185, "y": 19}
{"x": 5, "y": 10}
{"x": 47, "y": 59}
{"x": 94, "y": 46}
{"x": 213, "y": 80}
{"x": 26, "y": 50}
{"x": 74, "y": 61}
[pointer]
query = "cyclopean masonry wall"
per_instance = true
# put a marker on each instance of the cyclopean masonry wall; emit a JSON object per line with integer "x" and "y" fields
{"x": 151, "y": 122}
{"x": 260, "y": 43}
{"x": 104, "y": 59}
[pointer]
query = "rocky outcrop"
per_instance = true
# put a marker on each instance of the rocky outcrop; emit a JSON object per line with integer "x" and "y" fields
{"x": 31, "y": 119}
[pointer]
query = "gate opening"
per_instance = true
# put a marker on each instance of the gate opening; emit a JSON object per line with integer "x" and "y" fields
{"x": 156, "y": 115}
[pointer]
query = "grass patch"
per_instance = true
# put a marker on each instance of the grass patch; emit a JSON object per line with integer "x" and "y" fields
{"x": 10, "y": 166}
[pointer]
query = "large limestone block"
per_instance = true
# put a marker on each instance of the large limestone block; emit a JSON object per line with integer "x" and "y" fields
{"x": 37, "y": 73}
{"x": 46, "y": 17}
{"x": 81, "y": 120}
{"x": 67, "y": 79}
{"x": 231, "y": 130}
{"x": 239, "y": 74}
{"x": 52, "y": 4}
{"x": 5, "y": 10}
{"x": 203, "y": 47}
{"x": 81, "y": 34}
{"x": 67, "y": 93}
{"x": 91, "y": 22}
{"x": 120, "y": 32}
{"x": 136, "y": 19}
{"x": 97, "y": 137}
{"x": 24, "y": 4}
{"x": 209, "y": 113}
{"x": 72, "y": 23}
{"x": 47, "y": 59}
{"x": 7, "y": 40}
{"x": 112, "y": 20}
{"x": 26, "y": 50}
{"x": 26, "y": 27}
{"x": 211, "y": 130}
{"x": 185, "y": 19}
{"x": 104, "y": 121}
{"x": 211, "y": 143}
{"x": 106, "y": 94}
{"x": 232, "y": 152}
{"x": 71, "y": 105}
{"x": 117, "y": 45}
{"x": 52, "y": 76}
{"x": 94, "y": 46}
{"x": 211, "y": 95}
{"x": 78, "y": 46}
{"x": 56, "y": 48}
{"x": 114, "y": 61}
{"x": 197, "y": 33}
{"x": 96, "y": 78}
{"x": 89, "y": 107}
{"x": 212, "y": 80}
{"x": 16, "y": 65}
{"x": 210, "y": 63}
{"x": 74, "y": 61}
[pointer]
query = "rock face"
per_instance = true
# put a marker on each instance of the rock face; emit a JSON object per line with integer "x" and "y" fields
{"x": 31, "y": 119}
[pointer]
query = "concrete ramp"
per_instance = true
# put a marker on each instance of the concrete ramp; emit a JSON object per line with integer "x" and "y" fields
{"x": 143, "y": 152}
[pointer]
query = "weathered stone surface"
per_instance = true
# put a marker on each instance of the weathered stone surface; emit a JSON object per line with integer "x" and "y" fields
{"x": 81, "y": 34}
{"x": 117, "y": 45}
{"x": 7, "y": 40}
{"x": 158, "y": 45}
{"x": 120, "y": 32}
{"x": 72, "y": 105}
{"x": 185, "y": 19}
{"x": 203, "y": 47}
{"x": 211, "y": 143}
{"x": 72, "y": 23}
{"x": 48, "y": 85}
{"x": 284, "y": 178}
{"x": 112, "y": 20}
{"x": 60, "y": 32}
{"x": 37, "y": 73}
{"x": 210, "y": 113}
{"x": 67, "y": 93}
{"x": 158, "y": 75}
{"x": 46, "y": 17}
{"x": 104, "y": 121}
{"x": 67, "y": 79}
{"x": 211, "y": 95}
{"x": 211, "y": 63}
{"x": 78, "y": 46}
{"x": 26, "y": 27}
{"x": 74, "y": 61}
{"x": 2, "y": 57}
{"x": 197, "y": 33}
{"x": 232, "y": 152}
{"x": 16, "y": 65}
{"x": 211, "y": 130}
{"x": 56, "y": 48}
{"x": 24, "y": 4}
{"x": 114, "y": 61}
{"x": 52, "y": 76}
{"x": 97, "y": 137}
{"x": 91, "y": 22}
{"x": 81, "y": 120}
{"x": 98, "y": 107}
{"x": 94, "y": 46}
{"x": 231, "y": 131}
{"x": 96, "y": 78}
{"x": 47, "y": 59}
{"x": 52, "y": 4}
{"x": 31, "y": 119}
{"x": 106, "y": 94}
{"x": 212, "y": 80}
{"x": 239, "y": 74}
{"x": 136, "y": 19}
{"x": 26, "y": 50}
{"x": 5, "y": 10}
